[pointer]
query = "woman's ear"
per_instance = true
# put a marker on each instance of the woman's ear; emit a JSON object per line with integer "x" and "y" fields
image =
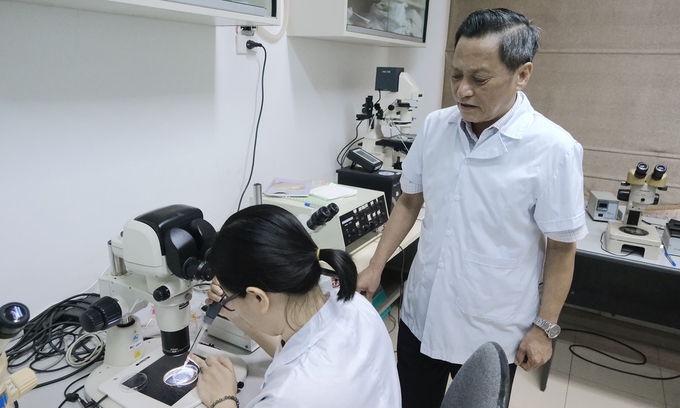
{"x": 259, "y": 298}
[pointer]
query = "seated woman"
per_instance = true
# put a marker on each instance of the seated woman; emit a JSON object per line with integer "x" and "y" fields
{"x": 329, "y": 351}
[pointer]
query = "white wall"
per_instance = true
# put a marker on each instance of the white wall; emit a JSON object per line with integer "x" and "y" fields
{"x": 104, "y": 117}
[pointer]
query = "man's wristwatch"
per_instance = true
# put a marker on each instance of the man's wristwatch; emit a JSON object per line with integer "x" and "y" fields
{"x": 551, "y": 329}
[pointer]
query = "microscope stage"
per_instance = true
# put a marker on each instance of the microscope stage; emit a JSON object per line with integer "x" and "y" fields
{"x": 108, "y": 380}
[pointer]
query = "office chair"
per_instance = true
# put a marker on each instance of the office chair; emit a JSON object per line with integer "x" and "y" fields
{"x": 482, "y": 382}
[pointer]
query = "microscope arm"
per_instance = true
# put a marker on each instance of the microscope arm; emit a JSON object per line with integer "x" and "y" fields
{"x": 134, "y": 292}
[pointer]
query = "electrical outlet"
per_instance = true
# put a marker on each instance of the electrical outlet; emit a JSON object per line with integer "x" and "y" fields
{"x": 241, "y": 44}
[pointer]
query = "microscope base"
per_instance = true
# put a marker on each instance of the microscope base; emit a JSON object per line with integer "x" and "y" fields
{"x": 615, "y": 239}
{"x": 106, "y": 379}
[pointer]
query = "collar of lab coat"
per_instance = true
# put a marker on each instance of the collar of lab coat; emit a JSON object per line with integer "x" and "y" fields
{"x": 314, "y": 330}
{"x": 497, "y": 144}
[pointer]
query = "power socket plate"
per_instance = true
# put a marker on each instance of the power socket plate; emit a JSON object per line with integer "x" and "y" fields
{"x": 241, "y": 44}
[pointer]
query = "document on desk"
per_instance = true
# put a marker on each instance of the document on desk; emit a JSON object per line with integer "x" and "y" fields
{"x": 281, "y": 187}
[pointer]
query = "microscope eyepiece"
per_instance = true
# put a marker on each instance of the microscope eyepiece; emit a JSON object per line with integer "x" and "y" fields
{"x": 641, "y": 170}
{"x": 13, "y": 317}
{"x": 659, "y": 171}
{"x": 318, "y": 218}
{"x": 334, "y": 209}
{"x": 322, "y": 216}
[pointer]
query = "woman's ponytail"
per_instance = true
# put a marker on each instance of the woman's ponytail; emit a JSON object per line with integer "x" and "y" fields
{"x": 344, "y": 267}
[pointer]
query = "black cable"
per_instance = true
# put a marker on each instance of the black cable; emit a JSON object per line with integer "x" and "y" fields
{"x": 622, "y": 254}
{"x": 96, "y": 404}
{"x": 641, "y": 354}
{"x": 394, "y": 323}
{"x": 259, "y": 117}
{"x": 42, "y": 330}
{"x": 73, "y": 396}
{"x": 345, "y": 149}
{"x": 71, "y": 374}
{"x": 49, "y": 335}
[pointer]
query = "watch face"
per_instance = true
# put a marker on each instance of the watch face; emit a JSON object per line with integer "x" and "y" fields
{"x": 554, "y": 331}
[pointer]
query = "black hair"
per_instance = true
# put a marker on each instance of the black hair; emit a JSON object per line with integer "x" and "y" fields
{"x": 268, "y": 247}
{"x": 520, "y": 37}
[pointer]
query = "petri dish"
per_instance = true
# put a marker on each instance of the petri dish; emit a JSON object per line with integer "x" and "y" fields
{"x": 135, "y": 382}
{"x": 182, "y": 375}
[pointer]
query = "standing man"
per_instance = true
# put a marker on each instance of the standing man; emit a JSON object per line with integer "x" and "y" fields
{"x": 503, "y": 188}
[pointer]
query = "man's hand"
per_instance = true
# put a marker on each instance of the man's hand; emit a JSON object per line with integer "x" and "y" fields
{"x": 368, "y": 281}
{"x": 534, "y": 350}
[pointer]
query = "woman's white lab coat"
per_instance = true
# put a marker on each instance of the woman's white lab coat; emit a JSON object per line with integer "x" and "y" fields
{"x": 342, "y": 357}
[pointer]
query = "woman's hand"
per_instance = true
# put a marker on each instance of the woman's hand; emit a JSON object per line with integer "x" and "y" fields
{"x": 216, "y": 378}
{"x": 215, "y": 295}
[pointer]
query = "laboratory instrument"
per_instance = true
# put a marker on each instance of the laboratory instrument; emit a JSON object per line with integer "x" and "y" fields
{"x": 642, "y": 193}
{"x": 358, "y": 220}
{"x": 602, "y": 206}
{"x": 13, "y": 317}
{"x": 394, "y": 108}
{"x": 154, "y": 260}
{"x": 367, "y": 161}
{"x": 671, "y": 237}
{"x": 387, "y": 181}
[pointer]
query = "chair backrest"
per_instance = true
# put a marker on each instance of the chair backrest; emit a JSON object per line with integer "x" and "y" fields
{"x": 482, "y": 382}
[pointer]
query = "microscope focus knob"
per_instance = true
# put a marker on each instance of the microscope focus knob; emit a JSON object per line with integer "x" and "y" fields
{"x": 623, "y": 194}
{"x": 103, "y": 314}
{"x": 161, "y": 294}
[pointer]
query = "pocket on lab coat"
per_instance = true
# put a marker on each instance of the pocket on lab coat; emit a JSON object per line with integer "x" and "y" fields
{"x": 488, "y": 287}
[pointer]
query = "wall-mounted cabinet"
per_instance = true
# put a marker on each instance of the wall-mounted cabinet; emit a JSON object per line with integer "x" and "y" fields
{"x": 401, "y": 23}
{"x": 209, "y": 12}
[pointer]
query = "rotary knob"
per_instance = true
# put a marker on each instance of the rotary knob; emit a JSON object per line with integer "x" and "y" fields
{"x": 104, "y": 313}
{"x": 161, "y": 294}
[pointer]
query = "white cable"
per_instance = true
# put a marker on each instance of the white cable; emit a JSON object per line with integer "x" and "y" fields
{"x": 266, "y": 35}
{"x": 98, "y": 350}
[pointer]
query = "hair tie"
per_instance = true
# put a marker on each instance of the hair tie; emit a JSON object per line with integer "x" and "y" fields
{"x": 318, "y": 252}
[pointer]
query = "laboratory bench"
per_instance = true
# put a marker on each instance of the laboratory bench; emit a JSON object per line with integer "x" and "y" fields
{"x": 257, "y": 361}
{"x": 625, "y": 286}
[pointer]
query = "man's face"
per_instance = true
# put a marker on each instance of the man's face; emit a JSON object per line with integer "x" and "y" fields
{"x": 483, "y": 87}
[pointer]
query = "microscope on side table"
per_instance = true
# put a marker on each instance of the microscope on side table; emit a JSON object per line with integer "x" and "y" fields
{"x": 394, "y": 109}
{"x": 154, "y": 260}
{"x": 642, "y": 192}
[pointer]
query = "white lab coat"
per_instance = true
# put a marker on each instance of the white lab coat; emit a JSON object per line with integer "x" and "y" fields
{"x": 342, "y": 357}
{"x": 482, "y": 245}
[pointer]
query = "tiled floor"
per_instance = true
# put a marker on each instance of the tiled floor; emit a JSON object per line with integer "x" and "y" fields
{"x": 575, "y": 383}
